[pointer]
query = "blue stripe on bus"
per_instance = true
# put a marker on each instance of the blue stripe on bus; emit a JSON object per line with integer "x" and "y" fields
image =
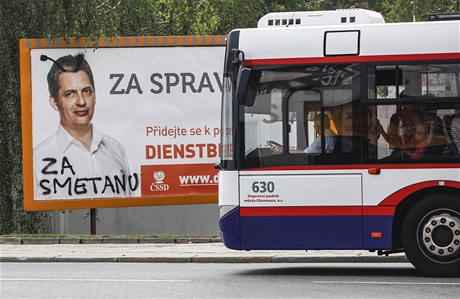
{"x": 377, "y": 224}
{"x": 301, "y": 232}
{"x": 305, "y": 232}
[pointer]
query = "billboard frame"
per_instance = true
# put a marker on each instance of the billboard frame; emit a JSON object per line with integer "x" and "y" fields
{"x": 26, "y": 45}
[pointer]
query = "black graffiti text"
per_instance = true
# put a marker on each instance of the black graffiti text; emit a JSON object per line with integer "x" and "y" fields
{"x": 65, "y": 164}
{"x": 115, "y": 184}
{"x": 62, "y": 178}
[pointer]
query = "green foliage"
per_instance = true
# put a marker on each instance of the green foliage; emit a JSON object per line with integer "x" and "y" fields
{"x": 96, "y": 18}
{"x": 405, "y": 10}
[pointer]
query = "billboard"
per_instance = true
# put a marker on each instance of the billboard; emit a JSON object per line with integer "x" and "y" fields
{"x": 120, "y": 122}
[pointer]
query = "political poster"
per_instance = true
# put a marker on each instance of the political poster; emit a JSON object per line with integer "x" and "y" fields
{"x": 120, "y": 122}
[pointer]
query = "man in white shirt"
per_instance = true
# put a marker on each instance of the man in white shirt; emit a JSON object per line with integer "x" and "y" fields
{"x": 315, "y": 146}
{"x": 78, "y": 161}
{"x": 329, "y": 136}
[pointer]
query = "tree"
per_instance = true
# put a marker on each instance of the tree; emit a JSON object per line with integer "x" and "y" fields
{"x": 406, "y": 11}
{"x": 92, "y": 18}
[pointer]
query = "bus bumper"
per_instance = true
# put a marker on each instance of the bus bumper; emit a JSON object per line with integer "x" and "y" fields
{"x": 229, "y": 225}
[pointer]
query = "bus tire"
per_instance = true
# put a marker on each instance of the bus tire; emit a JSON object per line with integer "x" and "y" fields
{"x": 431, "y": 235}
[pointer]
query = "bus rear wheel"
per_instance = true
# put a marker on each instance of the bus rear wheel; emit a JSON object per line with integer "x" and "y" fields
{"x": 431, "y": 235}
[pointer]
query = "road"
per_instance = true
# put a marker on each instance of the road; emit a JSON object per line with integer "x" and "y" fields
{"x": 189, "y": 280}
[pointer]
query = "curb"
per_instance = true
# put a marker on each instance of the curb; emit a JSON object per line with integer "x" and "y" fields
{"x": 164, "y": 250}
{"x": 205, "y": 259}
{"x": 104, "y": 240}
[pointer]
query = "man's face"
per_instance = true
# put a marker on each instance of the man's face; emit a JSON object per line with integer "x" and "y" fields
{"x": 420, "y": 134}
{"x": 76, "y": 100}
{"x": 317, "y": 127}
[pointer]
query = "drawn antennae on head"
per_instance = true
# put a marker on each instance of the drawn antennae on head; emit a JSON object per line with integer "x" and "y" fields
{"x": 79, "y": 59}
{"x": 45, "y": 58}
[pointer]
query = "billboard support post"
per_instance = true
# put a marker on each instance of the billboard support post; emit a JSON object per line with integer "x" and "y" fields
{"x": 92, "y": 217}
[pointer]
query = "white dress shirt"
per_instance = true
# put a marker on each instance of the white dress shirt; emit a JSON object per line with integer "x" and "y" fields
{"x": 315, "y": 147}
{"x": 65, "y": 169}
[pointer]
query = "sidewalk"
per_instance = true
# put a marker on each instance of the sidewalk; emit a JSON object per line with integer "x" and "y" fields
{"x": 185, "y": 250}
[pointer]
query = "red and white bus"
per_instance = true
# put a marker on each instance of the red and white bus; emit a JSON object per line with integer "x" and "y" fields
{"x": 340, "y": 131}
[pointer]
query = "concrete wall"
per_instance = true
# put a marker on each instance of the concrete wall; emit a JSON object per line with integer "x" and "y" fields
{"x": 183, "y": 219}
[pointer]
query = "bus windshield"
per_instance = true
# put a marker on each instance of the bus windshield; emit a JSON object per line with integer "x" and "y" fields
{"x": 302, "y": 110}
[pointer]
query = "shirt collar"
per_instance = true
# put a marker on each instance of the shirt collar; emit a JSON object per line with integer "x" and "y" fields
{"x": 97, "y": 139}
{"x": 65, "y": 139}
{"x": 329, "y": 132}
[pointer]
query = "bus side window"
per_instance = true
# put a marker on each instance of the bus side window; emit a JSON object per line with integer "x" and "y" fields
{"x": 405, "y": 135}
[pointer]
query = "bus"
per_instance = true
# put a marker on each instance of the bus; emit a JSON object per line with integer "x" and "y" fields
{"x": 341, "y": 131}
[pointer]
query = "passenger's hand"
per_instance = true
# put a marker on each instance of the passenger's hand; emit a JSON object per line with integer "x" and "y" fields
{"x": 277, "y": 149}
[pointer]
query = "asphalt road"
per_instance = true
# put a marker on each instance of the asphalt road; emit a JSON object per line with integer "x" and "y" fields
{"x": 158, "y": 280}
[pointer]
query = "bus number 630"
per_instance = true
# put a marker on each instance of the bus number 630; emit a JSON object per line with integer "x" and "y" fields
{"x": 263, "y": 187}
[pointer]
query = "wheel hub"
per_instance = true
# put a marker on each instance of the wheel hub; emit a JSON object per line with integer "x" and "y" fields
{"x": 441, "y": 235}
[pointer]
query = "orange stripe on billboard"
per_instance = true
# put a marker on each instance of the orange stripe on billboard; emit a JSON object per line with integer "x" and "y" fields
{"x": 141, "y": 41}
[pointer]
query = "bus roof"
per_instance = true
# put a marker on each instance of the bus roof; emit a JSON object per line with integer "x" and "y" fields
{"x": 360, "y": 42}
{"x": 315, "y": 18}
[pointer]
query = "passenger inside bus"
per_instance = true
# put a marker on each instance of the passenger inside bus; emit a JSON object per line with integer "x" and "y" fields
{"x": 400, "y": 135}
{"x": 407, "y": 132}
{"x": 329, "y": 136}
{"x": 452, "y": 127}
{"x": 392, "y": 137}
{"x": 416, "y": 132}
{"x": 315, "y": 146}
{"x": 421, "y": 139}
{"x": 437, "y": 141}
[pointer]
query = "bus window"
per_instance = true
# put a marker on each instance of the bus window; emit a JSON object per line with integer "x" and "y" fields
{"x": 413, "y": 80}
{"x": 303, "y": 108}
{"x": 410, "y": 133}
{"x": 431, "y": 80}
{"x": 263, "y": 123}
{"x": 310, "y": 110}
{"x": 398, "y": 131}
{"x": 382, "y": 82}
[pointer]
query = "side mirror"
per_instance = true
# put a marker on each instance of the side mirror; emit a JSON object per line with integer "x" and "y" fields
{"x": 244, "y": 96}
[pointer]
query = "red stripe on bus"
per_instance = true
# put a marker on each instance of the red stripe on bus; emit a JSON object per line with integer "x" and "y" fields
{"x": 356, "y": 167}
{"x": 353, "y": 59}
{"x": 318, "y": 211}
{"x": 385, "y": 208}
{"x": 379, "y": 211}
{"x": 395, "y": 198}
{"x": 301, "y": 211}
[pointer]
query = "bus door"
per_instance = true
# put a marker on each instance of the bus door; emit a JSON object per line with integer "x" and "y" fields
{"x": 297, "y": 188}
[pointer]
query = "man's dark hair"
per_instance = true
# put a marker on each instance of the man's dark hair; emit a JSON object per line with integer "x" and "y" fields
{"x": 67, "y": 63}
